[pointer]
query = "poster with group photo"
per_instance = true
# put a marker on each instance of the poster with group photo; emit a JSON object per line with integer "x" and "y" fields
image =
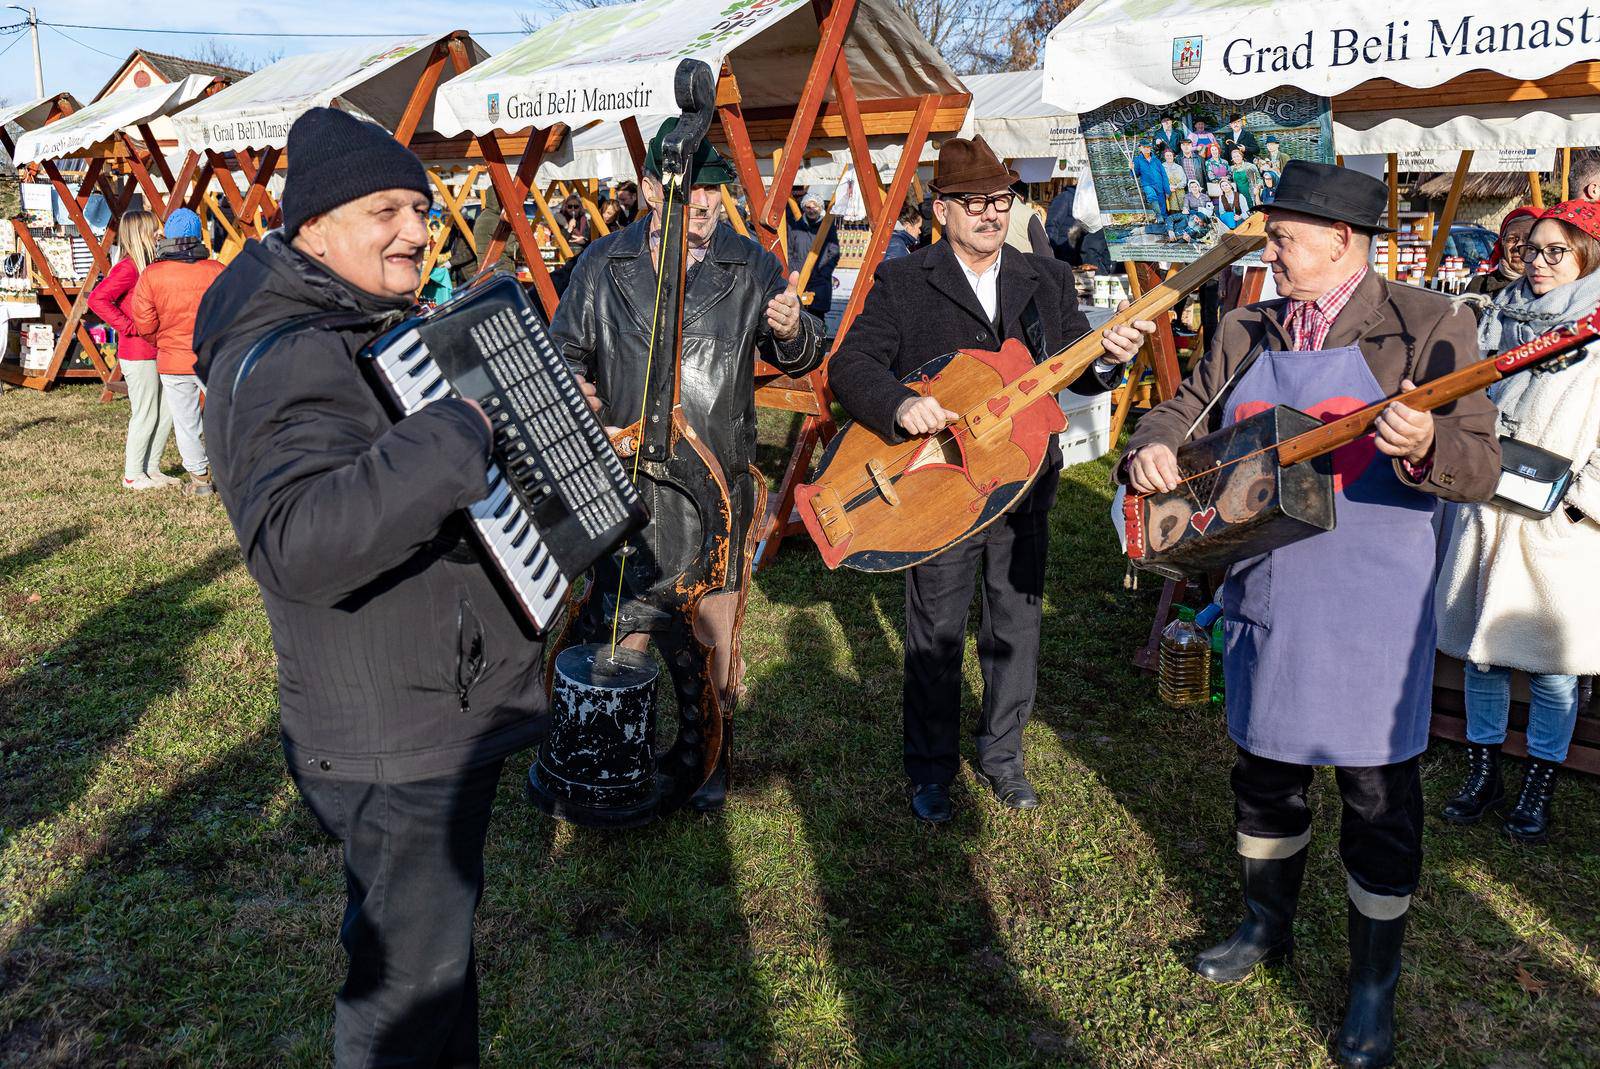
{"x": 1172, "y": 178}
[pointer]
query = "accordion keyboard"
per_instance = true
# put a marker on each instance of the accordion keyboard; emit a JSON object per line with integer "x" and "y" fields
{"x": 558, "y": 497}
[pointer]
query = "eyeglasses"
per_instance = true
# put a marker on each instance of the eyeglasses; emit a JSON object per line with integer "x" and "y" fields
{"x": 1552, "y": 254}
{"x": 975, "y": 205}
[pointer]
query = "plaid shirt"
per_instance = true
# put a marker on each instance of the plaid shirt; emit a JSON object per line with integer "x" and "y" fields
{"x": 1310, "y": 321}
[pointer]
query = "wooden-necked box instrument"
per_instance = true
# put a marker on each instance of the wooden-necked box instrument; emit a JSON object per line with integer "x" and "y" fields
{"x": 1236, "y": 502}
{"x": 1267, "y": 481}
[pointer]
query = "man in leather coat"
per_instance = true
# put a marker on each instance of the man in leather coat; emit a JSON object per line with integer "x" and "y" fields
{"x": 737, "y": 306}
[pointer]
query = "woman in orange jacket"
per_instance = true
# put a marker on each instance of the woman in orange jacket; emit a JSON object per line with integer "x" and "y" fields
{"x": 164, "y": 306}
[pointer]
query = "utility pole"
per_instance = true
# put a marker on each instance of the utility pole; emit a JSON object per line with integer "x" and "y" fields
{"x": 38, "y": 61}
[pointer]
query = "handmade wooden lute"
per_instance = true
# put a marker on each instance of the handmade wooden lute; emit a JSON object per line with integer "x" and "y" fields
{"x": 1264, "y": 482}
{"x": 878, "y": 506}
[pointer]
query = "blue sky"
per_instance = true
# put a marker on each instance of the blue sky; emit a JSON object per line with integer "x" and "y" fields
{"x": 82, "y": 68}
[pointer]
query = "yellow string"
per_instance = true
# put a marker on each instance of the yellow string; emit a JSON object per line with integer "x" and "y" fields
{"x": 644, "y": 404}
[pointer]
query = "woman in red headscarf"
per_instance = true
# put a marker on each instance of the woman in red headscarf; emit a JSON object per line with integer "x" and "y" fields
{"x": 1505, "y": 259}
{"x": 1518, "y": 592}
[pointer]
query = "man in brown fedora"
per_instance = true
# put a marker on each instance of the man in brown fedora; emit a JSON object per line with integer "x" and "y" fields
{"x": 968, "y": 292}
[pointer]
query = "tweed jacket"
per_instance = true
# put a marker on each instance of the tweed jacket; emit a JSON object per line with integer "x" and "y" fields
{"x": 1404, "y": 332}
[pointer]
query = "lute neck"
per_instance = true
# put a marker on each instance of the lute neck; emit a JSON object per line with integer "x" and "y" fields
{"x": 1451, "y": 386}
{"x": 1061, "y": 370}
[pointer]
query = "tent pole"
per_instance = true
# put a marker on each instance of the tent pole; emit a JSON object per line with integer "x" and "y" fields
{"x": 635, "y": 141}
{"x": 809, "y": 106}
{"x": 1535, "y": 190}
{"x": 1393, "y": 241}
{"x": 731, "y": 207}
{"x": 1442, "y": 229}
{"x": 1566, "y": 174}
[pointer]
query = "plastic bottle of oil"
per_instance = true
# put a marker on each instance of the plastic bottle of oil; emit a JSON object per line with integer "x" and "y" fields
{"x": 1184, "y": 676}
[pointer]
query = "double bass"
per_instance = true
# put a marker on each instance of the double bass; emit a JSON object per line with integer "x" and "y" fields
{"x": 878, "y": 506}
{"x": 655, "y": 583}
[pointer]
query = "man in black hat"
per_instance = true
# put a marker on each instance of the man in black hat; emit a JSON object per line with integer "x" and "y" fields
{"x": 1238, "y": 134}
{"x": 1330, "y": 641}
{"x": 738, "y": 305}
{"x": 404, "y": 680}
{"x": 969, "y": 291}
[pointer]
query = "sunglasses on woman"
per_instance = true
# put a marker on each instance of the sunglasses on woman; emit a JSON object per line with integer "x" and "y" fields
{"x": 977, "y": 205}
{"x": 1552, "y": 254}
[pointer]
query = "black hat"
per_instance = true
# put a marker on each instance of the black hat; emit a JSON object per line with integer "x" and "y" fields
{"x": 1328, "y": 192}
{"x": 709, "y": 168}
{"x": 335, "y": 158}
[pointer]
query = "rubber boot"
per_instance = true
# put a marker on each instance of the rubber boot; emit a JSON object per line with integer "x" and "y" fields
{"x": 1529, "y": 820}
{"x": 1482, "y": 790}
{"x": 1367, "y": 1039}
{"x": 1266, "y": 935}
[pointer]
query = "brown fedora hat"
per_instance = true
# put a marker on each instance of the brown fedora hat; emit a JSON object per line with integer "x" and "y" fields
{"x": 970, "y": 167}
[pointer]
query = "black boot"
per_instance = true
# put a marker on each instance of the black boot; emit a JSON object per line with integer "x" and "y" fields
{"x": 1367, "y": 1039}
{"x": 1483, "y": 789}
{"x": 1529, "y": 820}
{"x": 1266, "y": 935}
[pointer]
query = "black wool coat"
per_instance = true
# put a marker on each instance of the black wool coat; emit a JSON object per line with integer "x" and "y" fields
{"x": 921, "y": 306}
{"x": 398, "y": 658}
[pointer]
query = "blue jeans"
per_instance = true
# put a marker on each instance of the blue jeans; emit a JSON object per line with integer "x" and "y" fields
{"x": 1157, "y": 201}
{"x": 1551, "y": 715}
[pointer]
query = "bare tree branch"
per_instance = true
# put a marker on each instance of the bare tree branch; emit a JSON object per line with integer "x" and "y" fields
{"x": 224, "y": 54}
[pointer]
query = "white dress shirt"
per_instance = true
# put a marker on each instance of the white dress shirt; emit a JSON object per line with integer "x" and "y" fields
{"x": 986, "y": 287}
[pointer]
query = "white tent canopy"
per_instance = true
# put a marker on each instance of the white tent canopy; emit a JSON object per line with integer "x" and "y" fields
{"x": 374, "y": 81}
{"x": 614, "y": 62}
{"x": 21, "y": 118}
{"x": 1110, "y": 49}
{"x": 1156, "y": 51}
{"x": 106, "y": 117}
{"x": 1521, "y": 124}
{"x": 1010, "y": 113}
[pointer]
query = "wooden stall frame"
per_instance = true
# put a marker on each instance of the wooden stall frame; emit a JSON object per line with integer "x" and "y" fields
{"x": 120, "y": 156}
{"x": 255, "y": 210}
{"x": 740, "y": 128}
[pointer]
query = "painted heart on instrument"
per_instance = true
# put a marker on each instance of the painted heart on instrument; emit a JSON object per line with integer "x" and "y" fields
{"x": 1201, "y": 520}
{"x": 1027, "y": 386}
{"x": 999, "y": 405}
{"x": 1351, "y": 461}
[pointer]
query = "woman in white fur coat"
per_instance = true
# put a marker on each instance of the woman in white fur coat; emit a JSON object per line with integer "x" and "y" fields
{"x": 1516, "y": 593}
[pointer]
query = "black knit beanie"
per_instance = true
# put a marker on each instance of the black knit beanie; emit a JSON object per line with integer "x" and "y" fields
{"x": 335, "y": 158}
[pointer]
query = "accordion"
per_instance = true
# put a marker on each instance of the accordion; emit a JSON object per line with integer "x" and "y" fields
{"x": 558, "y": 498}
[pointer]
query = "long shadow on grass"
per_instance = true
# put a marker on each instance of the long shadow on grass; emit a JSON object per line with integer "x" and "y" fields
{"x": 82, "y": 696}
{"x": 145, "y": 944}
{"x": 41, "y": 548}
{"x": 914, "y": 949}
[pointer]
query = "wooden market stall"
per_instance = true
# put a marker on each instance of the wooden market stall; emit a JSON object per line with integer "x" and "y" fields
{"x": 790, "y": 73}
{"x": 1461, "y": 78}
{"x": 238, "y": 136}
{"x": 122, "y": 156}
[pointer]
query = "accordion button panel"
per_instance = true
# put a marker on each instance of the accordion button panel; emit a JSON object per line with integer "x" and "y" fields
{"x": 556, "y": 497}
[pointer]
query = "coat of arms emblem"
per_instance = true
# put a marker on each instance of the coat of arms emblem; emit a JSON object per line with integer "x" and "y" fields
{"x": 494, "y": 107}
{"x": 1186, "y": 58}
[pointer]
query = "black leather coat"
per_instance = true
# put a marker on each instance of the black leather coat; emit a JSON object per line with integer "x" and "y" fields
{"x": 602, "y": 327}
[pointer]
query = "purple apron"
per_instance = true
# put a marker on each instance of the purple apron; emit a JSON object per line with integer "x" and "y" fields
{"x": 1330, "y": 641}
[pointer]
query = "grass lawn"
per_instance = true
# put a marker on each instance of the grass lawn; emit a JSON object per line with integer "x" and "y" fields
{"x": 166, "y": 900}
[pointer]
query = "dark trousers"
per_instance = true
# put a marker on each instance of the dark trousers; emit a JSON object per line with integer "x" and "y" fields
{"x": 413, "y": 867}
{"x": 1011, "y": 556}
{"x": 1380, "y": 828}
